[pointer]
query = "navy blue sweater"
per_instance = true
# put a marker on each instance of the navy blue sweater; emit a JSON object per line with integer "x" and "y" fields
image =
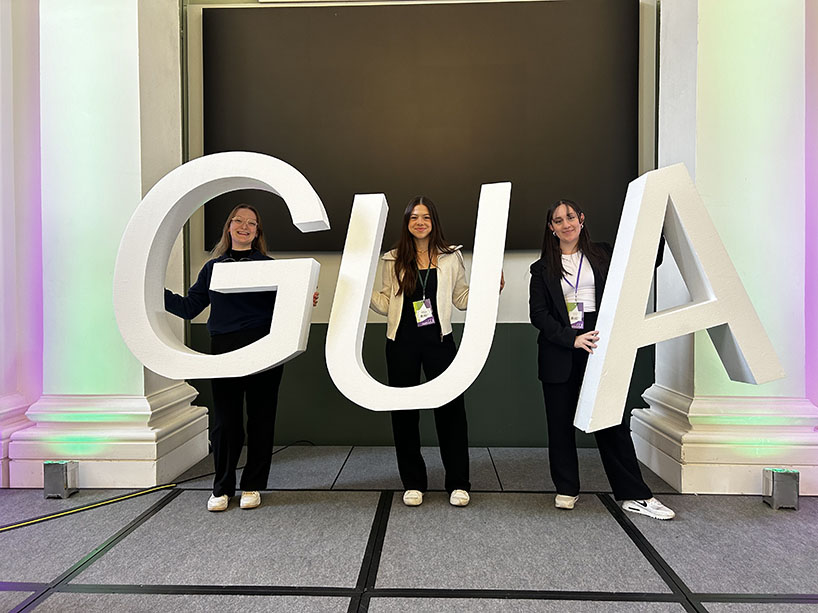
{"x": 228, "y": 312}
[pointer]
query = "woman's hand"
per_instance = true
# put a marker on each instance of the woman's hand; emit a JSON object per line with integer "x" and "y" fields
{"x": 587, "y": 341}
{"x": 502, "y": 281}
{"x": 315, "y": 299}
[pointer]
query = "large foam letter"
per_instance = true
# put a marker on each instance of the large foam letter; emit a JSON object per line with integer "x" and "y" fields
{"x": 145, "y": 249}
{"x": 345, "y": 334}
{"x": 668, "y": 198}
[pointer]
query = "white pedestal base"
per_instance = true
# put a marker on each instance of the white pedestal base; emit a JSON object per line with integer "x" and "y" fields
{"x": 721, "y": 444}
{"x": 120, "y": 473}
{"x": 130, "y": 441}
{"x": 12, "y": 418}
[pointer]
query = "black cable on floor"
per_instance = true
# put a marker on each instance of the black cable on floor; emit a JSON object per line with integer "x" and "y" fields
{"x": 101, "y": 503}
{"x": 88, "y": 507}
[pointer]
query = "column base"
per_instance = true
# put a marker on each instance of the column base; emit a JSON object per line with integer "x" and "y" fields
{"x": 12, "y": 418}
{"x": 120, "y": 473}
{"x": 119, "y": 441}
{"x": 720, "y": 445}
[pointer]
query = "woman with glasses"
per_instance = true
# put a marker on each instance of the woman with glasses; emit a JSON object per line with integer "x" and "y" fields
{"x": 566, "y": 289}
{"x": 237, "y": 320}
{"x": 422, "y": 278}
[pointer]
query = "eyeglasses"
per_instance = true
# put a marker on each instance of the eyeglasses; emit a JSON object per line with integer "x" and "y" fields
{"x": 240, "y": 222}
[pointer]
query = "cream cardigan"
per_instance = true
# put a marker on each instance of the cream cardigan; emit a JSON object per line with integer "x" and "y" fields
{"x": 452, "y": 288}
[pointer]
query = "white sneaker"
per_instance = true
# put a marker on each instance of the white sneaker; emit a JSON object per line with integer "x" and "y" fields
{"x": 217, "y": 503}
{"x": 651, "y": 507}
{"x": 250, "y": 500}
{"x": 412, "y": 498}
{"x": 459, "y": 498}
{"x": 565, "y": 502}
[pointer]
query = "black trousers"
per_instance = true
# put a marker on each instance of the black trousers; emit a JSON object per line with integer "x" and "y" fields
{"x": 404, "y": 358}
{"x": 615, "y": 443}
{"x": 227, "y": 432}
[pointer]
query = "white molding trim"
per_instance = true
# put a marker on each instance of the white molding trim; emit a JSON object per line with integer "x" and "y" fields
{"x": 715, "y": 444}
{"x": 120, "y": 441}
{"x": 12, "y": 419}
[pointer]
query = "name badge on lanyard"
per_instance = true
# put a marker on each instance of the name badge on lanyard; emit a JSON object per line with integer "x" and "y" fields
{"x": 423, "y": 308}
{"x": 576, "y": 315}
{"x": 576, "y": 309}
{"x": 423, "y": 312}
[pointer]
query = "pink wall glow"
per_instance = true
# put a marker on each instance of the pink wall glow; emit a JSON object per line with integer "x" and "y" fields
{"x": 811, "y": 191}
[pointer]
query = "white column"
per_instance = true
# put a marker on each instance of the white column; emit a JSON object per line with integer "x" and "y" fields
{"x": 110, "y": 127}
{"x": 13, "y": 403}
{"x": 731, "y": 107}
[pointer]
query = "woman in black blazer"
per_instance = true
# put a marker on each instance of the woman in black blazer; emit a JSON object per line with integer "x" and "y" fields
{"x": 566, "y": 290}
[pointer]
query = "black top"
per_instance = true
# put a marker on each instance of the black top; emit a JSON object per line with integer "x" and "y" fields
{"x": 549, "y": 314}
{"x": 408, "y": 327}
{"x": 228, "y": 312}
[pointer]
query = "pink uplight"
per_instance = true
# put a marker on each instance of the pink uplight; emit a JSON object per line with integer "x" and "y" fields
{"x": 811, "y": 204}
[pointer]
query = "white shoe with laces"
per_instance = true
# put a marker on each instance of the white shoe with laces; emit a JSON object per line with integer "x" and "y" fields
{"x": 250, "y": 500}
{"x": 650, "y": 507}
{"x": 459, "y": 498}
{"x": 565, "y": 502}
{"x": 217, "y": 503}
{"x": 412, "y": 498}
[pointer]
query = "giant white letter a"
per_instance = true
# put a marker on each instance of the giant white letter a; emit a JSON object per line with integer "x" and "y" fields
{"x": 667, "y": 197}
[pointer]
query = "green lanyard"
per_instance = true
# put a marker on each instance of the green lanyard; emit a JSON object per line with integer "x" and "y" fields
{"x": 423, "y": 280}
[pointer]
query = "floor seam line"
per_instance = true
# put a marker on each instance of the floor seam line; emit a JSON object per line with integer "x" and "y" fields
{"x": 340, "y": 470}
{"x": 372, "y": 555}
{"x": 660, "y": 565}
{"x": 496, "y": 472}
{"x": 107, "y": 545}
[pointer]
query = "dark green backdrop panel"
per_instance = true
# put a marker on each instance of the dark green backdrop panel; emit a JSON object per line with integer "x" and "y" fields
{"x": 504, "y": 404}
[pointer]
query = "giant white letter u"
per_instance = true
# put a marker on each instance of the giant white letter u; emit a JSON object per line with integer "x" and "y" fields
{"x": 359, "y": 262}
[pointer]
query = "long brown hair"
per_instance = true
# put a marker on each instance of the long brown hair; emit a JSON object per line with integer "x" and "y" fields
{"x": 406, "y": 268}
{"x": 551, "y": 254}
{"x": 224, "y": 245}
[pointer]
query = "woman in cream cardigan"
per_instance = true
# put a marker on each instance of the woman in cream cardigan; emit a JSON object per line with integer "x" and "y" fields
{"x": 422, "y": 278}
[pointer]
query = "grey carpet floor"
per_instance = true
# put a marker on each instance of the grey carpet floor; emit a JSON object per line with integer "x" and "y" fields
{"x": 738, "y": 544}
{"x": 131, "y": 603}
{"x": 754, "y": 607}
{"x": 200, "y": 476}
{"x": 9, "y": 600}
{"x": 22, "y": 504}
{"x": 293, "y": 468}
{"x": 43, "y": 551}
{"x": 317, "y": 538}
{"x": 527, "y": 469}
{"x": 439, "y": 605}
{"x": 292, "y": 539}
{"x": 313, "y": 468}
{"x": 376, "y": 468}
{"x": 511, "y": 541}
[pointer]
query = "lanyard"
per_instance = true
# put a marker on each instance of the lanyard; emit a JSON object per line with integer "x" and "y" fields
{"x": 423, "y": 280}
{"x": 579, "y": 270}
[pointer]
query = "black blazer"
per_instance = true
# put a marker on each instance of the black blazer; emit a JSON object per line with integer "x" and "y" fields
{"x": 548, "y": 313}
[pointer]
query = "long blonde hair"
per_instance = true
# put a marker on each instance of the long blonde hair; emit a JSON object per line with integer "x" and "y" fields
{"x": 259, "y": 244}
